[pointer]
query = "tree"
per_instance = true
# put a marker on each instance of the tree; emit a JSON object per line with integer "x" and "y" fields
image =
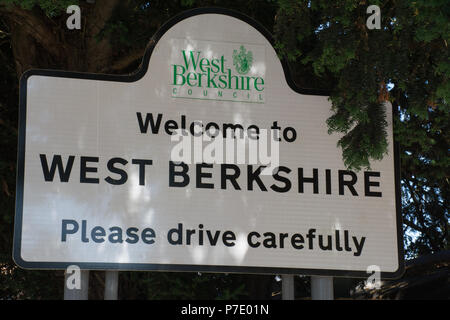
{"x": 406, "y": 63}
{"x": 328, "y": 47}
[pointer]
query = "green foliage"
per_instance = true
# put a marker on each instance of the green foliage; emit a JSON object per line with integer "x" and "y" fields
{"x": 10, "y": 284}
{"x": 425, "y": 164}
{"x": 16, "y": 283}
{"x": 406, "y": 63}
{"x": 370, "y": 127}
{"x": 52, "y": 8}
{"x": 135, "y": 21}
{"x": 410, "y": 52}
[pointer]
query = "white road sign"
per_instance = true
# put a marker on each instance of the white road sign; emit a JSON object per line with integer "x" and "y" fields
{"x": 206, "y": 159}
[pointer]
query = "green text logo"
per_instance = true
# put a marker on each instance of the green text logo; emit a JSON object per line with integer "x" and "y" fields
{"x": 203, "y": 74}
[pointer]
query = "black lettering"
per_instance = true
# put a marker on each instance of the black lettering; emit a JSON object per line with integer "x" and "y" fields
{"x": 173, "y": 174}
{"x": 178, "y": 232}
{"x": 253, "y": 132}
{"x": 346, "y": 241}
{"x": 97, "y": 234}
{"x": 338, "y": 240}
{"x": 123, "y": 174}
{"x": 149, "y": 120}
{"x": 132, "y": 237}
{"x": 200, "y": 175}
{"x": 349, "y": 183}
{"x": 368, "y": 184}
{"x": 116, "y": 235}
{"x": 231, "y": 177}
{"x": 296, "y": 241}
{"x": 49, "y": 174}
{"x": 148, "y": 235}
{"x": 269, "y": 241}
{"x": 286, "y": 181}
{"x": 170, "y": 126}
{"x": 65, "y": 231}
{"x": 311, "y": 235}
{"x": 84, "y": 169}
{"x": 328, "y": 181}
{"x": 232, "y": 127}
{"x": 228, "y": 238}
{"x": 329, "y": 245}
{"x": 213, "y": 239}
{"x": 249, "y": 239}
{"x": 142, "y": 163}
{"x": 83, "y": 231}
{"x": 293, "y": 134}
{"x": 200, "y": 234}
{"x": 192, "y": 128}
{"x": 275, "y": 130}
{"x": 254, "y": 176}
{"x": 314, "y": 180}
{"x": 189, "y": 234}
{"x": 282, "y": 237}
{"x": 209, "y": 132}
{"x": 359, "y": 246}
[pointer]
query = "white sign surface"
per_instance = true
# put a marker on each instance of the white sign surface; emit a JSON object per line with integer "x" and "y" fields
{"x": 98, "y": 185}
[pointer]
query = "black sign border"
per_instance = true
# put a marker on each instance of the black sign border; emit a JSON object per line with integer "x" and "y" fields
{"x": 178, "y": 267}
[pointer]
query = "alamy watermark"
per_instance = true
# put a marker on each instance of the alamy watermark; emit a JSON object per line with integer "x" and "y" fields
{"x": 374, "y": 20}
{"x": 74, "y": 20}
{"x": 73, "y": 277}
{"x": 233, "y": 146}
{"x": 374, "y": 280}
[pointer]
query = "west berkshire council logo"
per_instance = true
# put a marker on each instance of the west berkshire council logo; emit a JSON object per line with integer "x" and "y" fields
{"x": 242, "y": 60}
{"x": 205, "y": 73}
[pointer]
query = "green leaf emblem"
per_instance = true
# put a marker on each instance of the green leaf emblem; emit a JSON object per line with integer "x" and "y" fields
{"x": 242, "y": 60}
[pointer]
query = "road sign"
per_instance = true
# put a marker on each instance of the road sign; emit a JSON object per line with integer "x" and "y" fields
{"x": 208, "y": 158}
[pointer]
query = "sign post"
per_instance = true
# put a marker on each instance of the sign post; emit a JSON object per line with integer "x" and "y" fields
{"x": 111, "y": 285}
{"x": 80, "y": 293}
{"x": 287, "y": 287}
{"x": 322, "y": 288}
{"x": 208, "y": 158}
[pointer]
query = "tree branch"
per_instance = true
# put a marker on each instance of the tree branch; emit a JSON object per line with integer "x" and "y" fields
{"x": 98, "y": 53}
{"x": 34, "y": 26}
{"x": 124, "y": 62}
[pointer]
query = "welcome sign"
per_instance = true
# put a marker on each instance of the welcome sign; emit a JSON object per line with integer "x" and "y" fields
{"x": 206, "y": 159}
